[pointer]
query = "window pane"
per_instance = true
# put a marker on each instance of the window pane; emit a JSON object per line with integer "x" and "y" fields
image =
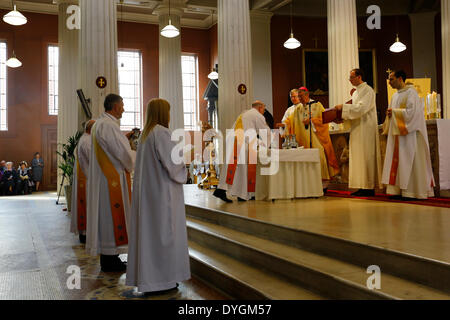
{"x": 190, "y": 91}
{"x": 3, "y": 92}
{"x": 53, "y": 69}
{"x": 130, "y": 88}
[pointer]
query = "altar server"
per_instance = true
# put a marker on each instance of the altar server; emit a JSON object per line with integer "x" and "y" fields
{"x": 79, "y": 187}
{"x": 158, "y": 254}
{"x": 109, "y": 185}
{"x": 365, "y": 156}
{"x": 240, "y": 177}
{"x": 407, "y": 168}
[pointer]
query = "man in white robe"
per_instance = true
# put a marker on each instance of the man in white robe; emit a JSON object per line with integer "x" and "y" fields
{"x": 109, "y": 185}
{"x": 158, "y": 256}
{"x": 407, "y": 168}
{"x": 80, "y": 176}
{"x": 237, "y": 179}
{"x": 295, "y": 99}
{"x": 364, "y": 150}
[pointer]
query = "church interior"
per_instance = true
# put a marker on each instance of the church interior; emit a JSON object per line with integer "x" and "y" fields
{"x": 299, "y": 241}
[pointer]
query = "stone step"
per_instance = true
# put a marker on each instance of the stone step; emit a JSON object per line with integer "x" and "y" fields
{"x": 327, "y": 276}
{"x": 431, "y": 273}
{"x": 241, "y": 281}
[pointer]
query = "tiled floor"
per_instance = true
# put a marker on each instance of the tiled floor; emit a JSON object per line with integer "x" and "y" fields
{"x": 36, "y": 250}
{"x": 414, "y": 229}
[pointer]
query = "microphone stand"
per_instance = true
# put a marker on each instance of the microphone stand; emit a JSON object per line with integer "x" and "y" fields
{"x": 310, "y": 125}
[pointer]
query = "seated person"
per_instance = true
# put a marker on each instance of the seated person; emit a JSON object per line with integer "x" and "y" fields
{"x": 2, "y": 169}
{"x": 23, "y": 183}
{"x": 9, "y": 180}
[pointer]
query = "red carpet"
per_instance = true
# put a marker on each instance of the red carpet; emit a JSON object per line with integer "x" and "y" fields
{"x": 432, "y": 202}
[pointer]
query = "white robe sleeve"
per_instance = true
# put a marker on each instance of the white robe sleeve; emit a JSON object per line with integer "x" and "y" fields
{"x": 260, "y": 126}
{"x": 118, "y": 146}
{"x": 164, "y": 147}
{"x": 361, "y": 106}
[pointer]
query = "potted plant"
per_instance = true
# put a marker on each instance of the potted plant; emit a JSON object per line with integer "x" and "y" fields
{"x": 67, "y": 164}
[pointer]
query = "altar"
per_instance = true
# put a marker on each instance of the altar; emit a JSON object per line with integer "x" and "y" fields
{"x": 289, "y": 174}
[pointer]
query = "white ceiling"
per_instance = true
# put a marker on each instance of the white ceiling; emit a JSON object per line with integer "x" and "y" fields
{"x": 203, "y": 13}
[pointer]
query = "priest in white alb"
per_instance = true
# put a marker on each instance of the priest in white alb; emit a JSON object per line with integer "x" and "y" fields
{"x": 407, "y": 168}
{"x": 295, "y": 99}
{"x": 109, "y": 185}
{"x": 158, "y": 256}
{"x": 79, "y": 187}
{"x": 239, "y": 179}
{"x": 360, "y": 114}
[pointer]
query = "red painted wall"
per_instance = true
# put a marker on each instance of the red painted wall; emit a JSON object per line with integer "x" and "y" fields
{"x": 27, "y": 86}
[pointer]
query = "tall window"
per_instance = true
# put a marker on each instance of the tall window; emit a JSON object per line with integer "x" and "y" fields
{"x": 53, "y": 60}
{"x": 190, "y": 91}
{"x": 3, "y": 106}
{"x": 130, "y": 88}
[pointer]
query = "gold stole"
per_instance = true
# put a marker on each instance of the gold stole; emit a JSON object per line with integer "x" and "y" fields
{"x": 81, "y": 198}
{"x": 115, "y": 192}
{"x": 403, "y": 131}
{"x": 251, "y": 168}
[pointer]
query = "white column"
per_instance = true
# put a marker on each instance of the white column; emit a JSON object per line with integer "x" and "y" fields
{"x": 423, "y": 46}
{"x": 235, "y": 60}
{"x": 342, "y": 48}
{"x": 261, "y": 57}
{"x": 68, "y": 119}
{"x": 170, "y": 82}
{"x": 98, "y": 50}
{"x": 445, "y": 14}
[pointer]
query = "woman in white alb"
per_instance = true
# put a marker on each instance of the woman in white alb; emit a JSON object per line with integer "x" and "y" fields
{"x": 158, "y": 256}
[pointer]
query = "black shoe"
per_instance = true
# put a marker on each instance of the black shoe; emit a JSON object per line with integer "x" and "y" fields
{"x": 112, "y": 263}
{"x": 396, "y": 197}
{"x": 241, "y": 200}
{"x": 221, "y": 194}
{"x": 364, "y": 193}
{"x": 161, "y": 292}
{"x": 357, "y": 193}
{"x": 82, "y": 238}
{"x": 253, "y": 199}
{"x": 325, "y": 190}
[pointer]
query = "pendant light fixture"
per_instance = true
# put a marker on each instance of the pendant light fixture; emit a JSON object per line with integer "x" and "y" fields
{"x": 170, "y": 31}
{"x": 397, "y": 46}
{"x": 292, "y": 43}
{"x": 13, "y": 62}
{"x": 14, "y": 17}
{"x": 214, "y": 75}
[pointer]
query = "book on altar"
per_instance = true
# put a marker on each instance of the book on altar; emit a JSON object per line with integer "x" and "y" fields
{"x": 332, "y": 115}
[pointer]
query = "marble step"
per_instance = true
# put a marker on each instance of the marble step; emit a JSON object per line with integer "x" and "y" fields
{"x": 428, "y": 272}
{"x": 327, "y": 276}
{"x": 241, "y": 281}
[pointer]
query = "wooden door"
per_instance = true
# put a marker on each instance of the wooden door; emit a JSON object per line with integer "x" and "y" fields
{"x": 49, "y": 147}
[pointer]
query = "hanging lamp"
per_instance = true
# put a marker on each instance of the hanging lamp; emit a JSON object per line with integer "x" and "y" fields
{"x": 397, "y": 46}
{"x": 13, "y": 62}
{"x": 170, "y": 31}
{"x": 15, "y": 18}
{"x": 292, "y": 43}
{"x": 214, "y": 75}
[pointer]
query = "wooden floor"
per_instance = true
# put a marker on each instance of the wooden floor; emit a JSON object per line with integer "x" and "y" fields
{"x": 418, "y": 230}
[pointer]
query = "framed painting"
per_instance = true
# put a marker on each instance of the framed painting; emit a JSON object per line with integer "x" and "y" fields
{"x": 315, "y": 69}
